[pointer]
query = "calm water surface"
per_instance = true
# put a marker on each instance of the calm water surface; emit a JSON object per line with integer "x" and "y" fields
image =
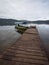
{"x": 44, "y": 35}
{"x": 8, "y": 36}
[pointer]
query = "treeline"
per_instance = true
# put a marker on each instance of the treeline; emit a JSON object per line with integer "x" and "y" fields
{"x": 7, "y": 21}
{"x": 41, "y": 22}
{"x": 12, "y": 21}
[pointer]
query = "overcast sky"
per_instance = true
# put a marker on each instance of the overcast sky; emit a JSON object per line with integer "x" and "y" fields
{"x": 24, "y": 9}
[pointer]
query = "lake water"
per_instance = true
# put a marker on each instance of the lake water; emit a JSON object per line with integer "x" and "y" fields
{"x": 8, "y": 36}
{"x": 44, "y": 36}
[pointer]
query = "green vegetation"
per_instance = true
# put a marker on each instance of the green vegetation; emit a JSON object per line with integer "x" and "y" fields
{"x": 21, "y": 29}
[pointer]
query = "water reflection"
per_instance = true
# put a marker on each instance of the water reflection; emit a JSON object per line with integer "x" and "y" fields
{"x": 44, "y": 35}
{"x": 8, "y": 36}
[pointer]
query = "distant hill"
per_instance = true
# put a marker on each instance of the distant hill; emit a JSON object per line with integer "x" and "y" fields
{"x": 41, "y": 22}
{"x": 12, "y": 21}
{"x": 7, "y": 21}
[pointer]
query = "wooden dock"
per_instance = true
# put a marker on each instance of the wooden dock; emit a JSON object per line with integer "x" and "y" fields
{"x": 26, "y": 51}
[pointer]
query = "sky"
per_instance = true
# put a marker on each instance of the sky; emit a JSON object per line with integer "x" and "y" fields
{"x": 24, "y": 9}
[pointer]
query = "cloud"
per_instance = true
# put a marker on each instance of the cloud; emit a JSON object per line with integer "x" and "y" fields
{"x": 24, "y": 9}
